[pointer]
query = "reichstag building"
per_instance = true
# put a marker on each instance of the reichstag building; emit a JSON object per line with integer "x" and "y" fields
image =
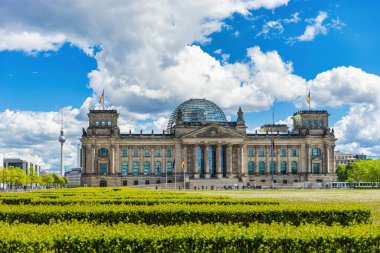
{"x": 200, "y": 147}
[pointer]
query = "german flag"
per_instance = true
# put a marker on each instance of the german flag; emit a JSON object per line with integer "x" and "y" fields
{"x": 183, "y": 163}
{"x": 308, "y": 99}
{"x": 101, "y": 97}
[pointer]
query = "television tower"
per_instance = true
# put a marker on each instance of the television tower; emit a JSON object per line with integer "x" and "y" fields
{"x": 62, "y": 140}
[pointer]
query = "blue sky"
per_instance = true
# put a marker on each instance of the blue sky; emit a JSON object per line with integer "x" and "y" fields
{"x": 149, "y": 57}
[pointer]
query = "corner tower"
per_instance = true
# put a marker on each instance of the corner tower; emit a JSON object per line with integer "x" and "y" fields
{"x": 103, "y": 123}
{"x": 314, "y": 122}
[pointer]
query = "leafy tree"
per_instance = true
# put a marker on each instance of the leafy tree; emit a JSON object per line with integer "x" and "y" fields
{"x": 33, "y": 176}
{"x": 342, "y": 171}
{"x": 365, "y": 171}
{"x": 47, "y": 179}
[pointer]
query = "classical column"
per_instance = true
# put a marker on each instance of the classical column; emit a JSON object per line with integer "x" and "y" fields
{"x": 141, "y": 160}
{"x": 207, "y": 160}
{"x": 163, "y": 160}
{"x": 152, "y": 165}
{"x": 288, "y": 162}
{"x": 256, "y": 166}
{"x": 218, "y": 162}
{"x": 195, "y": 157}
{"x": 244, "y": 165}
{"x": 93, "y": 160}
{"x": 117, "y": 159}
{"x": 83, "y": 162}
{"x": 277, "y": 168}
{"x": 303, "y": 159}
{"x": 267, "y": 160}
{"x": 112, "y": 160}
{"x": 238, "y": 160}
{"x": 229, "y": 161}
{"x": 130, "y": 161}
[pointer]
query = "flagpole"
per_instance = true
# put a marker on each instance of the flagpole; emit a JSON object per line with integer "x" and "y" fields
{"x": 272, "y": 154}
{"x": 183, "y": 168}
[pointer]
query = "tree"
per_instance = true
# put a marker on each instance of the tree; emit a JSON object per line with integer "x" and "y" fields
{"x": 33, "y": 176}
{"x": 342, "y": 171}
{"x": 47, "y": 179}
{"x": 365, "y": 171}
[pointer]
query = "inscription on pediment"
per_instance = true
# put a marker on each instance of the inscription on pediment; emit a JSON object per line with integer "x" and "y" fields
{"x": 214, "y": 133}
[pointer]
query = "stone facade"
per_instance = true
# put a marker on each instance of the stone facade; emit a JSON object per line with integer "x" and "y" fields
{"x": 209, "y": 149}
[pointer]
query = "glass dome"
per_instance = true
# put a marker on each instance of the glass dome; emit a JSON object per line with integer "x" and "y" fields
{"x": 197, "y": 110}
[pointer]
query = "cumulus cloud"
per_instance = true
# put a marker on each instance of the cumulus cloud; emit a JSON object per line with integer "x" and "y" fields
{"x": 358, "y": 130}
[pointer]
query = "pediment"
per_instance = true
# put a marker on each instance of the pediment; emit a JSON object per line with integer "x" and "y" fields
{"x": 213, "y": 131}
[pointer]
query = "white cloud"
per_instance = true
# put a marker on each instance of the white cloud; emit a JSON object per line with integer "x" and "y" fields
{"x": 315, "y": 28}
{"x": 273, "y": 27}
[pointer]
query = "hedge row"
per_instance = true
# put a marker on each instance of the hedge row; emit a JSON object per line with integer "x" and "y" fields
{"x": 177, "y": 214}
{"x": 86, "y": 237}
{"x": 135, "y": 201}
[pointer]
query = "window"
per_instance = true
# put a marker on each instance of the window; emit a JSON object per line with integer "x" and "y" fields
{"x": 103, "y": 123}
{"x": 272, "y": 153}
{"x": 251, "y": 168}
{"x": 157, "y": 168}
{"x": 103, "y": 183}
{"x": 158, "y": 181}
{"x": 169, "y": 168}
{"x": 146, "y": 168}
{"x": 135, "y": 152}
{"x": 262, "y": 168}
{"x": 169, "y": 152}
{"x": 315, "y": 151}
{"x": 320, "y": 123}
{"x": 124, "y": 168}
{"x": 124, "y": 152}
{"x": 261, "y": 153}
{"x": 125, "y": 183}
{"x": 307, "y": 123}
{"x": 136, "y": 182}
{"x": 283, "y": 152}
{"x": 103, "y": 169}
{"x": 314, "y": 123}
{"x": 284, "y": 181}
{"x": 250, "y": 152}
{"x": 283, "y": 167}
{"x": 135, "y": 168}
{"x": 109, "y": 123}
{"x": 294, "y": 152}
{"x": 273, "y": 167}
{"x": 97, "y": 122}
{"x": 158, "y": 152}
{"x": 316, "y": 168}
{"x": 146, "y": 181}
{"x": 146, "y": 152}
{"x": 294, "y": 168}
{"x": 103, "y": 152}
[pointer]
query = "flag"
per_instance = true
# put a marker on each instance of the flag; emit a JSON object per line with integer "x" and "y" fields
{"x": 308, "y": 99}
{"x": 101, "y": 97}
{"x": 183, "y": 163}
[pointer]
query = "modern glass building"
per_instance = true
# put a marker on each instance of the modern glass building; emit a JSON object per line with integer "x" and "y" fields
{"x": 200, "y": 147}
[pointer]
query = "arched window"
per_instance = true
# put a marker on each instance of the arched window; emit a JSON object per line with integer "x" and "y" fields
{"x": 315, "y": 151}
{"x": 158, "y": 152}
{"x": 146, "y": 152}
{"x": 250, "y": 152}
{"x": 103, "y": 152}
{"x": 103, "y": 122}
{"x": 124, "y": 152}
{"x": 273, "y": 167}
{"x": 157, "y": 168}
{"x": 314, "y": 123}
{"x": 124, "y": 168}
{"x": 283, "y": 152}
{"x": 169, "y": 168}
{"x": 294, "y": 168}
{"x": 262, "y": 168}
{"x": 169, "y": 152}
{"x": 146, "y": 168}
{"x": 261, "y": 153}
{"x": 135, "y": 168}
{"x": 320, "y": 123}
{"x": 135, "y": 152}
{"x": 283, "y": 167}
{"x": 251, "y": 168}
{"x": 294, "y": 152}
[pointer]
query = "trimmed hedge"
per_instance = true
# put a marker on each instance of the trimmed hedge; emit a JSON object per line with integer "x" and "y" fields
{"x": 85, "y": 237}
{"x": 177, "y": 214}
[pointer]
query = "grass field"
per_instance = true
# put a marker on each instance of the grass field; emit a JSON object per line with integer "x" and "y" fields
{"x": 136, "y": 220}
